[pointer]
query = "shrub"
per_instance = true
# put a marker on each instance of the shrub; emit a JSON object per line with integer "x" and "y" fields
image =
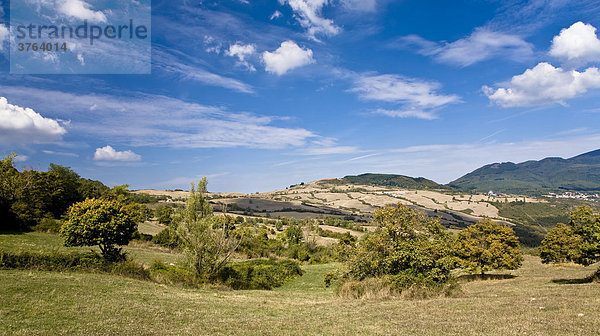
{"x": 137, "y": 235}
{"x": 48, "y": 224}
{"x": 487, "y": 246}
{"x": 72, "y": 261}
{"x": 578, "y": 242}
{"x": 259, "y": 273}
{"x": 99, "y": 222}
{"x": 166, "y": 238}
{"x": 171, "y": 274}
{"x": 408, "y": 249}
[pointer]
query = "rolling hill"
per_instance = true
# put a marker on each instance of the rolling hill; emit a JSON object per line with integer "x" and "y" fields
{"x": 391, "y": 180}
{"x": 579, "y": 173}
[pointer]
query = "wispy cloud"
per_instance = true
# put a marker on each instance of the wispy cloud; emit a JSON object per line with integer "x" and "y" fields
{"x": 481, "y": 45}
{"x": 417, "y": 98}
{"x": 153, "y": 120}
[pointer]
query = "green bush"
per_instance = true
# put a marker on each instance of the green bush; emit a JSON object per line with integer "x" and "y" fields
{"x": 171, "y": 274}
{"x": 56, "y": 261}
{"x": 259, "y": 273}
{"x": 141, "y": 236}
{"x": 166, "y": 238}
{"x": 48, "y": 224}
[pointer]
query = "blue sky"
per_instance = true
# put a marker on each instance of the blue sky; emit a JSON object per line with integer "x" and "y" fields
{"x": 258, "y": 95}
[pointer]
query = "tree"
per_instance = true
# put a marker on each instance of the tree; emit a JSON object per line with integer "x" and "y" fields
{"x": 164, "y": 214}
{"x": 99, "y": 222}
{"x": 487, "y": 246}
{"x": 560, "y": 245}
{"x": 579, "y": 241}
{"x": 408, "y": 247}
{"x": 293, "y": 234}
{"x": 206, "y": 242}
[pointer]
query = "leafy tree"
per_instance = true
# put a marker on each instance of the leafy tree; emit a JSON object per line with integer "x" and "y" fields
{"x": 99, "y": 222}
{"x": 578, "y": 242}
{"x": 206, "y": 243}
{"x": 408, "y": 248}
{"x": 293, "y": 234}
{"x": 9, "y": 180}
{"x": 560, "y": 245}
{"x": 164, "y": 214}
{"x": 65, "y": 189}
{"x": 487, "y": 246}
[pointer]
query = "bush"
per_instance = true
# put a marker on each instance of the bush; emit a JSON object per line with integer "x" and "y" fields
{"x": 141, "y": 236}
{"x": 407, "y": 250}
{"x": 71, "y": 262}
{"x": 48, "y": 224}
{"x": 166, "y": 238}
{"x": 99, "y": 222}
{"x": 259, "y": 273}
{"x": 171, "y": 274}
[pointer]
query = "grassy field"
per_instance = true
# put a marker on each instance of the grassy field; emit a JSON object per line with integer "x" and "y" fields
{"x": 46, "y": 242}
{"x": 539, "y": 300}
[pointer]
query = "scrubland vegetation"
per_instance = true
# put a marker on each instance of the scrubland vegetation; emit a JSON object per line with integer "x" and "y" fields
{"x": 75, "y": 262}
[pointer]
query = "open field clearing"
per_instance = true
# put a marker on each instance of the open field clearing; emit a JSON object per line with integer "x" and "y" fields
{"x": 45, "y": 242}
{"x": 538, "y": 301}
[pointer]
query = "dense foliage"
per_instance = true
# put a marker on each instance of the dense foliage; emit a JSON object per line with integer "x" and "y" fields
{"x": 99, "y": 222}
{"x": 579, "y": 241}
{"x": 487, "y": 246}
{"x": 407, "y": 249}
{"x": 390, "y": 180}
{"x": 258, "y": 273}
{"x": 204, "y": 237}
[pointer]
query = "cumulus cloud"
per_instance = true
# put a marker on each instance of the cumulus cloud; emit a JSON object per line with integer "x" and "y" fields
{"x": 482, "y": 44}
{"x": 417, "y": 97}
{"x": 576, "y": 45}
{"x": 544, "y": 84}
{"x": 23, "y": 125}
{"x": 242, "y": 52}
{"x": 107, "y": 153}
{"x": 287, "y": 57}
{"x": 308, "y": 14}
{"x": 81, "y": 10}
{"x": 3, "y": 36}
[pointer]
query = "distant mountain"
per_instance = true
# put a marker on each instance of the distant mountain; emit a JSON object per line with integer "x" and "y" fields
{"x": 579, "y": 173}
{"x": 390, "y": 180}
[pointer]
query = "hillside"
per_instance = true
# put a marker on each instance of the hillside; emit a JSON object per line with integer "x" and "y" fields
{"x": 580, "y": 173}
{"x": 391, "y": 180}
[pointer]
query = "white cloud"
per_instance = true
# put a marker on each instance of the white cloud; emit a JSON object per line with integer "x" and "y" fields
{"x": 3, "y": 36}
{"x": 172, "y": 64}
{"x": 107, "y": 153}
{"x": 276, "y": 15}
{"x": 360, "y": 5}
{"x": 50, "y": 152}
{"x": 406, "y": 114}
{"x": 482, "y": 44}
{"x": 80, "y": 9}
{"x": 544, "y": 84}
{"x": 417, "y": 97}
{"x": 577, "y": 45}
{"x": 20, "y": 125}
{"x": 287, "y": 57}
{"x": 140, "y": 121}
{"x": 242, "y": 52}
{"x": 21, "y": 158}
{"x": 308, "y": 14}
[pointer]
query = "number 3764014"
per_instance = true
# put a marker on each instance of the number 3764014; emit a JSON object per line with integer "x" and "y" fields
{"x": 44, "y": 47}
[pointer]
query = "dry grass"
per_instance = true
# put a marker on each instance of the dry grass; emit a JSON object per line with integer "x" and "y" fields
{"x": 539, "y": 300}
